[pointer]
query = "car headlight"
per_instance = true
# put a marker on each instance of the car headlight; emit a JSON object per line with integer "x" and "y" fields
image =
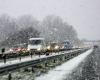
{"x": 56, "y": 47}
{"x": 11, "y": 50}
{"x": 62, "y": 47}
{"x": 48, "y": 47}
{"x": 28, "y": 49}
{"x": 38, "y": 49}
{"x": 19, "y": 49}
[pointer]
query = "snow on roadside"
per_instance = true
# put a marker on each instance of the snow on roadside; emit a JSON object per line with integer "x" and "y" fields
{"x": 29, "y": 58}
{"x": 60, "y": 71}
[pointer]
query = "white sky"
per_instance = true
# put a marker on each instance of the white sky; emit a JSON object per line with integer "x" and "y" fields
{"x": 82, "y": 14}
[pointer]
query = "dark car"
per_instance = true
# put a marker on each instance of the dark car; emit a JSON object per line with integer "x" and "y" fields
{"x": 95, "y": 46}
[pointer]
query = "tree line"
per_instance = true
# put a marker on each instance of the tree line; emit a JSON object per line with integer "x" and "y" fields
{"x": 19, "y": 30}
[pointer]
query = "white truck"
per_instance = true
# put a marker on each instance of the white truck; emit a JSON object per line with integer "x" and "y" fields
{"x": 36, "y": 44}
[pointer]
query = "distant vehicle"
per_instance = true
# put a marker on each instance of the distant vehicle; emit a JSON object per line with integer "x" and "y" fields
{"x": 66, "y": 45}
{"x": 53, "y": 46}
{"x": 17, "y": 48}
{"x": 36, "y": 44}
{"x": 95, "y": 46}
{"x": 13, "y": 50}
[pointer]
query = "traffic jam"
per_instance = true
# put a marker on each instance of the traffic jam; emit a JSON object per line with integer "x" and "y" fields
{"x": 37, "y": 46}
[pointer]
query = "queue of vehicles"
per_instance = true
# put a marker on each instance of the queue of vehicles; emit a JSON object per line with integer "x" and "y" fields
{"x": 39, "y": 45}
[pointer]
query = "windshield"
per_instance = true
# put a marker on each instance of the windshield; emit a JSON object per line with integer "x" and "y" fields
{"x": 35, "y": 42}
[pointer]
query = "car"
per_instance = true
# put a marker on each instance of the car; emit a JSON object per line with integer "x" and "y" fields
{"x": 95, "y": 46}
{"x": 53, "y": 46}
{"x": 37, "y": 45}
{"x": 66, "y": 45}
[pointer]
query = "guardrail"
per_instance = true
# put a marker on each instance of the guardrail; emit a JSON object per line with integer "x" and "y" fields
{"x": 12, "y": 67}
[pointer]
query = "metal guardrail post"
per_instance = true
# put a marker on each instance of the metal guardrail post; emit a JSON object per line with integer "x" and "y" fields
{"x": 65, "y": 57}
{"x": 3, "y": 50}
{"x": 54, "y": 61}
{"x": 31, "y": 54}
{"x": 9, "y": 76}
{"x": 3, "y": 55}
{"x": 20, "y": 56}
{"x": 46, "y": 64}
{"x": 33, "y": 69}
{"x": 4, "y": 58}
{"x": 39, "y": 54}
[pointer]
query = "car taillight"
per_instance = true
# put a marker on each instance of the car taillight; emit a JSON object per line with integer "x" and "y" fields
{"x": 18, "y": 49}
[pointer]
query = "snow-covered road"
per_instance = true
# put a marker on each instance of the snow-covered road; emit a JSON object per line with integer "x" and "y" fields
{"x": 61, "y": 72}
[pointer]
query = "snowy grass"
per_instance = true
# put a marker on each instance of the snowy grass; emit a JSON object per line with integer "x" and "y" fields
{"x": 60, "y": 72}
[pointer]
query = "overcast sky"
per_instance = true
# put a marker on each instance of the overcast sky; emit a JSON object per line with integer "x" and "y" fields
{"x": 84, "y": 15}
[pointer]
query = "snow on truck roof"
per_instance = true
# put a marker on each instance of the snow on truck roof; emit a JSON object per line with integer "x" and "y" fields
{"x": 36, "y": 39}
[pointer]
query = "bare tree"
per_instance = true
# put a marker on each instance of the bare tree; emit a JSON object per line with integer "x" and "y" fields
{"x": 7, "y": 26}
{"x": 52, "y": 28}
{"x": 27, "y": 21}
{"x": 20, "y": 37}
{"x": 55, "y": 29}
